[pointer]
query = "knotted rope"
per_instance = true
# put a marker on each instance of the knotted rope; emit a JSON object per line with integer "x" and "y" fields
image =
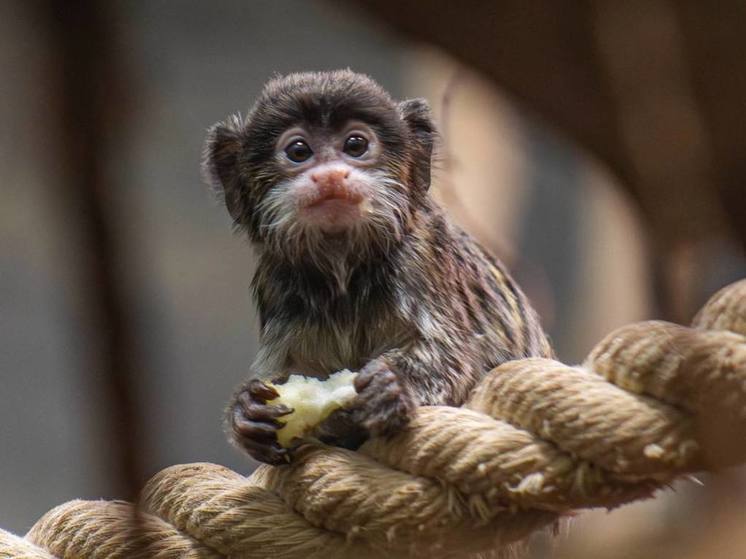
{"x": 537, "y": 439}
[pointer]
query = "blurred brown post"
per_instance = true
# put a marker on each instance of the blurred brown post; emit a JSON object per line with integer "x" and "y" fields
{"x": 87, "y": 92}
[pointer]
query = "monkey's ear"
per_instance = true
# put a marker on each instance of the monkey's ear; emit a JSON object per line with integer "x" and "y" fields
{"x": 416, "y": 113}
{"x": 220, "y": 168}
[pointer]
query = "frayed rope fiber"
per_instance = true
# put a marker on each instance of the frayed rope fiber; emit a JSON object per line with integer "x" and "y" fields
{"x": 537, "y": 439}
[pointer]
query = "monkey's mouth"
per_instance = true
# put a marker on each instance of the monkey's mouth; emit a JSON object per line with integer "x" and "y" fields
{"x": 334, "y": 211}
{"x": 334, "y": 196}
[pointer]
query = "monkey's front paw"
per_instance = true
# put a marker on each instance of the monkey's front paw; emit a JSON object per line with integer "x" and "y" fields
{"x": 254, "y": 423}
{"x": 383, "y": 404}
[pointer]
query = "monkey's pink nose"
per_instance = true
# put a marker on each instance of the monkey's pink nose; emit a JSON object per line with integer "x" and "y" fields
{"x": 335, "y": 175}
{"x": 332, "y": 184}
{"x": 332, "y": 199}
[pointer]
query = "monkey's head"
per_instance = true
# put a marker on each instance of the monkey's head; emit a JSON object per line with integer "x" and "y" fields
{"x": 324, "y": 162}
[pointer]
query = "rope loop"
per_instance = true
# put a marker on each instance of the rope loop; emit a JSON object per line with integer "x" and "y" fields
{"x": 536, "y": 440}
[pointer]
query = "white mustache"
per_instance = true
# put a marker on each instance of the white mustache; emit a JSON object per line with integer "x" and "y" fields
{"x": 384, "y": 211}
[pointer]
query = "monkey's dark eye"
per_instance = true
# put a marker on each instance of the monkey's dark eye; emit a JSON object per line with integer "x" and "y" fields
{"x": 298, "y": 151}
{"x": 355, "y": 146}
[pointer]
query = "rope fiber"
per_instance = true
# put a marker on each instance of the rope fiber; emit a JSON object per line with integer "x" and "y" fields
{"x": 537, "y": 439}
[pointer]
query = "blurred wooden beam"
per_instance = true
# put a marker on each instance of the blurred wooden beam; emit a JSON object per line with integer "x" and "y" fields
{"x": 655, "y": 89}
{"x": 559, "y": 61}
{"x": 87, "y": 90}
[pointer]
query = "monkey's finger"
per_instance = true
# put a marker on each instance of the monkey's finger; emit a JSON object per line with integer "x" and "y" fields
{"x": 245, "y": 429}
{"x": 260, "y": 391}
{"x": 365, "y": 377}
{"x": 272, "y": 454}
{"x": 385, "y": 420}
{"x": 384, "y": 407}
{"x": 362, "y": 380}
{"x": 368, "y": 373}
{"x": 383, "y": 383}
{"x": 385, "y": 403}
{"x": 261, "y": 412}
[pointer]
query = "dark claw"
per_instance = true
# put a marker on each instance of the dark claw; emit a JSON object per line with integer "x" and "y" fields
{"x": 253, "y": 430}
{"x": 362, "y": 380}
{"x": 260, "y": 392}
{"x": 272, "y": 454}
{"x": 257, "y": 411}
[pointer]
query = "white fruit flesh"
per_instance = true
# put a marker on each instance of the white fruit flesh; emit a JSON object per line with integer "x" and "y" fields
{"x": 312, "y": 400}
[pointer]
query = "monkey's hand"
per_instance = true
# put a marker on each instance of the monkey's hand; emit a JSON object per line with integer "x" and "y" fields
{"x": 254, "y": 423}
{"x": 383, "y": 404}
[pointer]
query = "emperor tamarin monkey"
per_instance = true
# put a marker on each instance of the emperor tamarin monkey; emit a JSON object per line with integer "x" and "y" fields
{"x": 358, "y": 267}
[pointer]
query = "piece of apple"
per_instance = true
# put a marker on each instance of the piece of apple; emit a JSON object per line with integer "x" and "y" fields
{"x": 312, "y": 400}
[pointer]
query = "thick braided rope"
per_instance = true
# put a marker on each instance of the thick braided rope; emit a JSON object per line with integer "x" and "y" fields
{"x": 652, "y": 401}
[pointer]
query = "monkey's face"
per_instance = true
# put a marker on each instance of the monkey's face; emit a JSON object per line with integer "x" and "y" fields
{"x": 325, "y": 162}
{"x": 334, "y": 189}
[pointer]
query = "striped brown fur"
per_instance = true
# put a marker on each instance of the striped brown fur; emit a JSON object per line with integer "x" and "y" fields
{"x": 430, "y": 305}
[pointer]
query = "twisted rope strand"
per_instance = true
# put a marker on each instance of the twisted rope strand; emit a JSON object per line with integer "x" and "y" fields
{"x": 13, "y": 547}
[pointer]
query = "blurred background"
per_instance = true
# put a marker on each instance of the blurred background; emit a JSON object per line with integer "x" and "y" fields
{"x": 597, "y": 147}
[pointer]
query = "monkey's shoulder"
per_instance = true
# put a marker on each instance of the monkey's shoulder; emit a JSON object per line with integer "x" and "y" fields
{"x": 479, "y": 299}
